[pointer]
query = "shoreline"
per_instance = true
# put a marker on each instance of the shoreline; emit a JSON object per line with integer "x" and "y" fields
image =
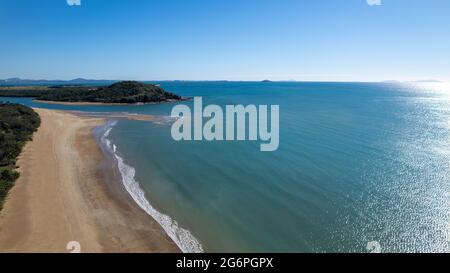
{"x": 68, "y": 103}
{"x": 68, "y": 192}
{"x": 183, "y": 238}
{"x": 110, "y": 115}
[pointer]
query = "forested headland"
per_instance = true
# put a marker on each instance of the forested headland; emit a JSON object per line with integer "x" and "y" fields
{"x": 120, "y": 92}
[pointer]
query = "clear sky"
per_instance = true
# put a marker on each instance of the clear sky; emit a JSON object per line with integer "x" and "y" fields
{"x": 318, "y": 40}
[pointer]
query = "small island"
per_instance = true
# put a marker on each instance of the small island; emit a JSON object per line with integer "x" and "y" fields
{"x": 128, "y": 92}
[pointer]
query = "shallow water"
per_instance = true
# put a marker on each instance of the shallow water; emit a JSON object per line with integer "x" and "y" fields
{"x": 357, "y": 162}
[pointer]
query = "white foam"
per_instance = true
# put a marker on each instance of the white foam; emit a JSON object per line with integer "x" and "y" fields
{"x": 182, "y": 237}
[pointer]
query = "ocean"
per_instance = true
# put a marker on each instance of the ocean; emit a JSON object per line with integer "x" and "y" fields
{"x": 357, "y": 163}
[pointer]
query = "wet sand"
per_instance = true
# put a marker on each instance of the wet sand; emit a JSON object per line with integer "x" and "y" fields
{"x": 82, "y": 103}
{"x": 68, "y": 192}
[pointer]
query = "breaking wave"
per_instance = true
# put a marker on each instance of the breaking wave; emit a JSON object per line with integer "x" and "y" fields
{"x": 182, "y": 237}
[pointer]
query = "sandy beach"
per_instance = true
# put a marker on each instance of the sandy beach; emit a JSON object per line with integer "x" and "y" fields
{"x": 67, "y": 192}
{"x": 106, "y": 103}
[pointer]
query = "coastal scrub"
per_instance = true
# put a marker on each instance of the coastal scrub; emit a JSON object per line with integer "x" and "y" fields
{"x": 17, "y": 125}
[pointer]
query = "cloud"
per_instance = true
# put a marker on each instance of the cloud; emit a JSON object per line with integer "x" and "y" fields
{"x": 74, "y": 2}
{"x": 374, "y": 2}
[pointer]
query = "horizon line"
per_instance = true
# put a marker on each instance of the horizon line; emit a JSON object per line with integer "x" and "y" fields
{"x": 221, "y": 80}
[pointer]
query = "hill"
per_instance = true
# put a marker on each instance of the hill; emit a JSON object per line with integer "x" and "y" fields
{"x": 19, "y": 81}
{"x": 17, "y": 124}
{"x": 121, "y": 92}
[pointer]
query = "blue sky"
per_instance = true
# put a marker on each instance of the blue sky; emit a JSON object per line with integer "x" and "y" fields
{"x": 313, "y": 40}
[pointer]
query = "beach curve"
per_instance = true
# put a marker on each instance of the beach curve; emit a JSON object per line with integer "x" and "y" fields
{"x": 65, "y": 194}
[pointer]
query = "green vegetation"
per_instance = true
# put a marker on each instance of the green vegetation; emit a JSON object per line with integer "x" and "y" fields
{"x": 17, "y": 125}
{"x": 121, "y": 92}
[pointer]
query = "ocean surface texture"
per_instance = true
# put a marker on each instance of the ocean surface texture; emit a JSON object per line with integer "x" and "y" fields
{"x": 357, "y": 163}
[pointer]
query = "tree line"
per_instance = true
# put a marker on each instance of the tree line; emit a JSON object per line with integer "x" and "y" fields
{"x": 121, "y": 92}
{"x": 17, "y": 125}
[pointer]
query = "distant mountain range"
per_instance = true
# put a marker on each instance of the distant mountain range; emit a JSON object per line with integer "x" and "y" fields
{"x": 82, "y": 81}
{"x": 19, "y": 81}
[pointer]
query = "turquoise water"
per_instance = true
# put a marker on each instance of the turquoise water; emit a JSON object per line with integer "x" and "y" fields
{"x": 357, "y": 162}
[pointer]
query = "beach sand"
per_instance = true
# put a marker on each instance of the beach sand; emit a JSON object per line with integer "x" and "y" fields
{"x": 67, "y": 192}
{"x": 107, "y": 103}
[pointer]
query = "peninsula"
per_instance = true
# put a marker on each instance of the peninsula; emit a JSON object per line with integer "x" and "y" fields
{"x": 120, "y": 92}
